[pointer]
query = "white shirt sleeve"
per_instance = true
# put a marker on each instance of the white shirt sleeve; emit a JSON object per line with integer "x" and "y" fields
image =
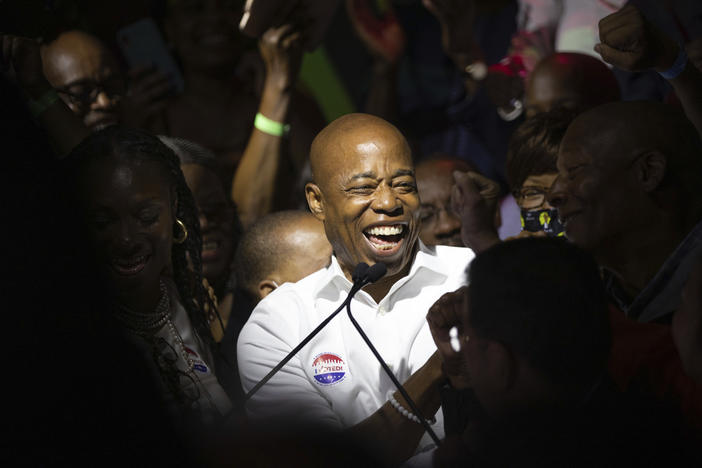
{"x": 271, "y": 332}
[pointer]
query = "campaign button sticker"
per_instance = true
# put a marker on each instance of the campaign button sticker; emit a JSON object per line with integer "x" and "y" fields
{"x": 329, "y": 369}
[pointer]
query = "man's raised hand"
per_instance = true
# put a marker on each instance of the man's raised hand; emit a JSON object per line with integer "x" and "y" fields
{"x": 474, "y": 198}
{"x": 630, "y": 42}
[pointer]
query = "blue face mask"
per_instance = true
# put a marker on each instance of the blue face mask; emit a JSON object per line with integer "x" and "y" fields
{"x": 542, "y": 220}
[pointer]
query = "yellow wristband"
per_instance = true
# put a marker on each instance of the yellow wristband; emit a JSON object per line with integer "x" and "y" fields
{"x": 270, "y": 127}
{"x": 40, "y": 105}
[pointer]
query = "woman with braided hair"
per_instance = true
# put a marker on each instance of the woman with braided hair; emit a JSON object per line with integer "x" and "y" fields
{"x": 220, "y": 226}
{"x": 141, "y": 226}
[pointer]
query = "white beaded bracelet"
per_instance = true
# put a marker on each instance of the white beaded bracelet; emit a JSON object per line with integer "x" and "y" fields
{"x": 405, "y": 412}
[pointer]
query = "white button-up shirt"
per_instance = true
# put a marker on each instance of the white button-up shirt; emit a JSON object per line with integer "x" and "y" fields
{"x": 335, "y": 380}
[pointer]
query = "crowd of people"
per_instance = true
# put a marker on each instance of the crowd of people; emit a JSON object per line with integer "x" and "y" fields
{"x": 183, "y": 232}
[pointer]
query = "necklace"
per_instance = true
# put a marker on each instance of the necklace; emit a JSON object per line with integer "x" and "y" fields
{"x": 179, "y": 341}
{"x": 146, "y": 324}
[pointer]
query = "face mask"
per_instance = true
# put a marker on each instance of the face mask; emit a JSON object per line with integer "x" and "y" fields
{"x": 542, "y": 220}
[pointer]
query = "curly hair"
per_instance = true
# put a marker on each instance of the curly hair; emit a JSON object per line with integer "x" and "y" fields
{"x": 192, "y": 153}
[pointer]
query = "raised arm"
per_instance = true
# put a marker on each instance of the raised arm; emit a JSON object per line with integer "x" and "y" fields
{"x": 632, "y": 43}
{"x": 384, "y": 38}
{"x": 474, "y": 198}
{"x": 20, "y": 56}
{"x": 257, "y": 178}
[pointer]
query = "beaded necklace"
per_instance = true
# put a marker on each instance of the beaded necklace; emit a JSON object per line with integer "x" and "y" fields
{"x": 145, "y": 325}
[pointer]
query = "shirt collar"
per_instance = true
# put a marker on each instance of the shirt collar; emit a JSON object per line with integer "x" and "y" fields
{"x": 426, "y": 268}
{"x": 662, "y": 294}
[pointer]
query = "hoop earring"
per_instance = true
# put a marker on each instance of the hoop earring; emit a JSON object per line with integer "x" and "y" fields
{"x": 180, "y": 239}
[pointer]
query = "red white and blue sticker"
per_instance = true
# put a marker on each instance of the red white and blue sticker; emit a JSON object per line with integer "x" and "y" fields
{"x": 198, "y": 364}
{"x": 329, "y": 369}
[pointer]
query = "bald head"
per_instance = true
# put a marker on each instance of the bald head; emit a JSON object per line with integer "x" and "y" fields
{"x": 348, "y": 137}
{"x": 612, "y": 132}
{"x": 365, "y": 192}
{"x": 625, "y": 170}
{"x": 87, "y": 75}
{"x": 281, "y": 247}
{"x": 571, "y": 80}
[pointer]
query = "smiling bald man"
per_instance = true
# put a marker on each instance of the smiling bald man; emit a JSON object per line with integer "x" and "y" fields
{"x": 365, "y": 193}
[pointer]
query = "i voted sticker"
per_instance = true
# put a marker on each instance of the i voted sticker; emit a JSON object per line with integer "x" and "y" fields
{"x": 329, "y": 369}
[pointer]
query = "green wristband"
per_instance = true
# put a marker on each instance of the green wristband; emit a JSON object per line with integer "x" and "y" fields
{"x": 271, "y": 127}
{"x": 40, "y": 105}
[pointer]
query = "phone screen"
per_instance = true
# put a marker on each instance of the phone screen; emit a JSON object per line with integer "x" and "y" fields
{"x": 142, "y": 45}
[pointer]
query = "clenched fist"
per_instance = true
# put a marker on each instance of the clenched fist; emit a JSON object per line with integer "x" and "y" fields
{"x": 632, "y": 43}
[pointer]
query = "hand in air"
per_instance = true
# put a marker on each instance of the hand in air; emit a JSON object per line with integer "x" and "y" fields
{"x": 445, "y": 314}
{"x": 474, "y": 198}
{"x": 147, "y": 95}
{"x": 630, "y": 42}
{"x": 382, "y": 35}
{"x": 281, "y": 48}
{"x": 456, "y": 19}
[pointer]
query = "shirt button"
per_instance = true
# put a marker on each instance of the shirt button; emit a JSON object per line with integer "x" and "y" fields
{"x": 382, "y": 311}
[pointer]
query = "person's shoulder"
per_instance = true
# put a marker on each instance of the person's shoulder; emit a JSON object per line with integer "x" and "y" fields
{"x": 453, "y": 255}
{"x": 289, "y": 296}
{"x": 446, "y": 260}
{"x": 282, "y": 311}
{"x": 305, "y": 287}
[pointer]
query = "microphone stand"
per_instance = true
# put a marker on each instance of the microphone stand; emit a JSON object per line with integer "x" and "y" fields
{"x": 360, "y": 279}
{"x": 398, "y": 385}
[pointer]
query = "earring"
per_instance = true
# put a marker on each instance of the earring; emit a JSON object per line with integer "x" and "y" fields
{"x": 180, "y": 239}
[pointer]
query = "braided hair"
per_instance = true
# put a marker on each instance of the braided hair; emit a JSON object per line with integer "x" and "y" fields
{"x": 129, "y": 144}
{"x": 192, "y": 153}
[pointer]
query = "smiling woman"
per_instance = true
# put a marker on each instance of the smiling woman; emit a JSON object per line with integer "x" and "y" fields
{"x": 142, "y": 230}
{"x": 218, "y": 219}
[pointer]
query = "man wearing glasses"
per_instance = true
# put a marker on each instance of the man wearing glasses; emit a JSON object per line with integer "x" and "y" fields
{"x": 86, "y": 76}
{"x": 90, "y": 81}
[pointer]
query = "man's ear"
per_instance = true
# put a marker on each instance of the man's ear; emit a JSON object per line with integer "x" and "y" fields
{"x": 265, "y": 287}
{"x": 315, "y": 200}
{"x": 651, "y": 169}
{"x": 502, "y": 365}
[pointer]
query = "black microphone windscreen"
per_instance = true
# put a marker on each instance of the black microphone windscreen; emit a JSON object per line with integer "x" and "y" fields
{"x": 359, "y": 272}
{"x": 376, "y": 272}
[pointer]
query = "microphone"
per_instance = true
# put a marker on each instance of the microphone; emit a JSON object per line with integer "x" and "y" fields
{"x": 360, "y": 272}
{"x": 373, "y": 274}
{"x": 362, "y": 275}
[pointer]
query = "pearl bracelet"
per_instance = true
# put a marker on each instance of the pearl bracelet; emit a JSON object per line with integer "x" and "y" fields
{"x": 405, "y": 412}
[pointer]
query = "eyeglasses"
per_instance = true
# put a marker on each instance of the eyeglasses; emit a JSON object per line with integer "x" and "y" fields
{"x": 84, "y": 93}
{"x": 531, "y": 197}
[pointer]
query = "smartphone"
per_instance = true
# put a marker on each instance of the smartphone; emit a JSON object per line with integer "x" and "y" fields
{"x": 142, "y": 45}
